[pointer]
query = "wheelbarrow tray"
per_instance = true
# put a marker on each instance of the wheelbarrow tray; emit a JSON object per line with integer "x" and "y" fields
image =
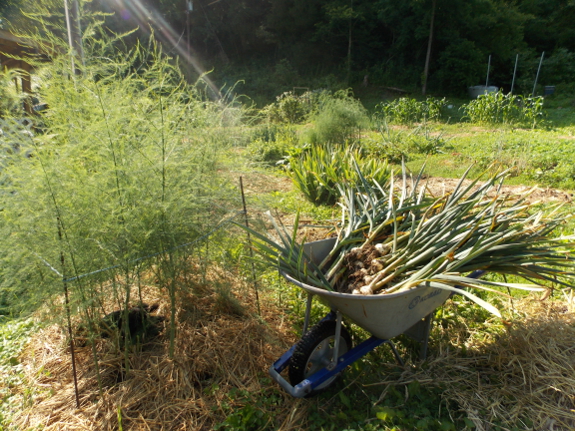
{"x": 386, "y": 315}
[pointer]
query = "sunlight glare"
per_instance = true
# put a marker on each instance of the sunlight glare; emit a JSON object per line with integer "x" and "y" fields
{"x": 146, "y": 16}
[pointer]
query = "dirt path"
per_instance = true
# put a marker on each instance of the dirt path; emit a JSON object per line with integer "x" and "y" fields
{"x": 260, "y": 182}
{"x": 439, "y": 186}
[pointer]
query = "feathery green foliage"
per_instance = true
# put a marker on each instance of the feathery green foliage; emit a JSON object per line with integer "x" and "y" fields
{"x": 123, "y": 169}
{"x": 339, "y": 118}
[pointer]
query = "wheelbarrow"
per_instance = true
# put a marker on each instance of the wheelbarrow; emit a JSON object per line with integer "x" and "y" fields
{"x": 323, "y": 352}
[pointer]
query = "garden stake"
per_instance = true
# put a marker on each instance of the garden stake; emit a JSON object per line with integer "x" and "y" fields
{"x": 537, "y": 76}
{"x": 514, "y": 73}
{"x": 251, "y": 249}
{"x": 70, "y": 334}
{"x": 488, "y": 69}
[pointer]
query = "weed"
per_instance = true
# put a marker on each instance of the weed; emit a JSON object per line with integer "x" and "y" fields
{"x": 14, "y": 334}
{"x": 391, "y": 145}
{"x": 423, "y": 141}
{"x": 273, "y": 146}
{"x": 247, "y": 412}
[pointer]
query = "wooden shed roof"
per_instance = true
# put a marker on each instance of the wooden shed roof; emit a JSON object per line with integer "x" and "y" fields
{"x": 14, "y": 46}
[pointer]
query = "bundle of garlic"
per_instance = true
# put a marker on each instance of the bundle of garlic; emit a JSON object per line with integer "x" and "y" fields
{"x": 391, "y": 239}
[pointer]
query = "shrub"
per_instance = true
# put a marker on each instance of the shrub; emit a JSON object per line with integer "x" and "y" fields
{"x": 339, "y": 118}
{"x": 289, "y": 108}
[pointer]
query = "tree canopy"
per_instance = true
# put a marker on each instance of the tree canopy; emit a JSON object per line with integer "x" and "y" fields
{"x": 384, "y": 39}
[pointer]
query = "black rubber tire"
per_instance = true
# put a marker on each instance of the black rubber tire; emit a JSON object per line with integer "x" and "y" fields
{"x": 314, "y": 351}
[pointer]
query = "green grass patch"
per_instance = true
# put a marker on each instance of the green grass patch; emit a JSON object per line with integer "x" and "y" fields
{"x": 14, "y": 334}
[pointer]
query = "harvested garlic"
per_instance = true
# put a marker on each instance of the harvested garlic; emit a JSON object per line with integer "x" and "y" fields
{"x": 365, "y": 290}
{"x": 382, "y": 249}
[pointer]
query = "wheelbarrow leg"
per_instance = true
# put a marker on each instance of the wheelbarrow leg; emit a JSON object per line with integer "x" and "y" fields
{"x": 395, "y": 352}
{"x": 336, "y": 341}
{"x": 307, "y": 312}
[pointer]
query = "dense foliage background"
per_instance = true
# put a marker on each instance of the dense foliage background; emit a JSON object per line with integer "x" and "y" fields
{"x": 278, "y": 44}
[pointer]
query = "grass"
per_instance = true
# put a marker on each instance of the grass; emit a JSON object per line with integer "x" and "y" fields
{"x": 14, "y": 335}
{"x": 541, "y": 157}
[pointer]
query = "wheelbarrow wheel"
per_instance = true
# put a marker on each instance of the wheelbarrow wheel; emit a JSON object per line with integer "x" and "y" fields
{"x": 315, "y": 351}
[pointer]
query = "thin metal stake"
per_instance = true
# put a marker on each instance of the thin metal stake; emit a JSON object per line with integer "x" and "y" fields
{"x": 70, "y": 334}
{"x": 251, "y": 249}
{"x": 514, "y": 73}
{"x": 537, "y": 76}
{"x": 488, "y": 68}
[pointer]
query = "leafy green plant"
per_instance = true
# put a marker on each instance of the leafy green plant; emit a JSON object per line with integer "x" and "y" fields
{"x": 14, "y": 334}
{"x": 318, "y": 170}
{"x": 273, "y": 146}
{"x": 246, "y": 412}
{"x": 499, "y": 108}
{"x": 408, "y": 111}
{"x": 289, "y": 108}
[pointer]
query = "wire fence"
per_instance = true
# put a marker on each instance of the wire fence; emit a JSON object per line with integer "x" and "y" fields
{"x": 227, "y": 221}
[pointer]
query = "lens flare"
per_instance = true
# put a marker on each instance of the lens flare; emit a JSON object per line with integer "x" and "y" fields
{"x": 146, "y": 16}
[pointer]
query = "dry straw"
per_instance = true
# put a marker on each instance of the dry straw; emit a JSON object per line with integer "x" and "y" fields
{"x": 218, "y": 348}
{"x": 519, "y": 377}
{"x": 509, "y": 375}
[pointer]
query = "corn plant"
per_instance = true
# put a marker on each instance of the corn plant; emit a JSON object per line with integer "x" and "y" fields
{"x": 499, "y": 108}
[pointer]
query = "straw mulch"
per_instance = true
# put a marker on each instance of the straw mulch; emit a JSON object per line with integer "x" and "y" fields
{"x": 221, "y": 344}
{"x": 519, "y": 377}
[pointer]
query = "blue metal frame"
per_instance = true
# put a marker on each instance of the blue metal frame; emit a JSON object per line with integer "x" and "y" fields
{"x": 308, "y": 385}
